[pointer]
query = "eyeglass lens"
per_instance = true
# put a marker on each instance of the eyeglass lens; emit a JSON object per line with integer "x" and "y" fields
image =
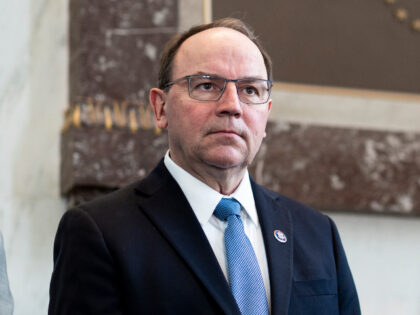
{"x": 250, "y": 91}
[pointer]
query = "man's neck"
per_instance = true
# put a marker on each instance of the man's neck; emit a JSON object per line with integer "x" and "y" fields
{"x": 223, "y": 180}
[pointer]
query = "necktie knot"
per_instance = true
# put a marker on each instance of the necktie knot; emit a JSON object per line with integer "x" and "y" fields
{"x": 227, "y": 207}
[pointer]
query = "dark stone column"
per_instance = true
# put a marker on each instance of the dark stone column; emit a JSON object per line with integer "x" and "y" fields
{"x": 109, "y": 138}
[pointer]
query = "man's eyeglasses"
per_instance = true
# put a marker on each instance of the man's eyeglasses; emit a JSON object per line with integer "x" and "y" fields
{"x": 209, "y": 88}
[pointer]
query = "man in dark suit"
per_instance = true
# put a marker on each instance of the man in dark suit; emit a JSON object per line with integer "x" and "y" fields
{"x": 161, "y": 245}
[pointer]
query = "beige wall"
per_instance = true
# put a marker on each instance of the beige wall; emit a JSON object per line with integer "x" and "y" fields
{"x": 346, "y": 107}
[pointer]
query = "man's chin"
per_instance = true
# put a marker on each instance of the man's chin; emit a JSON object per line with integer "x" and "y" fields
{"x": 229, "y": 161}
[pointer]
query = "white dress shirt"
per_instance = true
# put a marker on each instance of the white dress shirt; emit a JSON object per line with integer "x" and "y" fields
{"x": 195, "y": 191}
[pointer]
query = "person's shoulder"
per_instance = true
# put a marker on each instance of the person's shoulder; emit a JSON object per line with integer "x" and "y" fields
{"x": 126, "y": 197}
{"x": 119, "y": 200}
{"x": 108, "y": 213}
{"x": 121, "y": 206}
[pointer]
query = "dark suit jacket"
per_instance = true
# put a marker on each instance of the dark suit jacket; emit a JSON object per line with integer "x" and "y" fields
{"x": 141, "y": 250}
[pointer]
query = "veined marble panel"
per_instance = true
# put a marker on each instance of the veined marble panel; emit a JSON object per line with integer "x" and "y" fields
{"x": 33, "y": 95}
{"x": 30, "y": 227}
{"x": 342, "y": 169}
{"x": 15, "y": 34}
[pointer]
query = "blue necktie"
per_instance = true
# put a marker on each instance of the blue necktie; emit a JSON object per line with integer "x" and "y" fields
{"x": 244, "y": 273}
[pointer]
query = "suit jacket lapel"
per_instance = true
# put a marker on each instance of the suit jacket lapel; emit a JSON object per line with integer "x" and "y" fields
{"x": 166, "y": 206}
{"x": 274, "y": 217}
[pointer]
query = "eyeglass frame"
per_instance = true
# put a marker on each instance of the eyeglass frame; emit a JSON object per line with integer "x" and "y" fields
{"x": 206, "y": 76}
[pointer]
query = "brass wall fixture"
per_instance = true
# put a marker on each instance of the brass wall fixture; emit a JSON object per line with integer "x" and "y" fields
{"x": 110, "y": 115}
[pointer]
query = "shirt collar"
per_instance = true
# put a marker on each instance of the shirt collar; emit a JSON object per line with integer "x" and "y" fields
{"x": 194, "y": 190}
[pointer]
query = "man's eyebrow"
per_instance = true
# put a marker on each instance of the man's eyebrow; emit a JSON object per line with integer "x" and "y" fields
{"x": 219, "y": 76}
{"x": 257, "y": 77}
{"x": 206, "y": 73}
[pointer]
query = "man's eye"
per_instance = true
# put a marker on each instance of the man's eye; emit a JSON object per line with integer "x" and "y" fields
{"x": 251, "y": 90}
{"x": 206, "y": 86}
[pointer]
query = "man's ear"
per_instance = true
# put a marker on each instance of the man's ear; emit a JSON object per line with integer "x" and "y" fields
{"x": 269, "y": 109}
{"x": 157, "y": 98}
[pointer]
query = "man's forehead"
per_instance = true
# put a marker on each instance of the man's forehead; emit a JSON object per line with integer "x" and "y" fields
{"x": 214, "y": 45}
{"x": 216, "y": 33}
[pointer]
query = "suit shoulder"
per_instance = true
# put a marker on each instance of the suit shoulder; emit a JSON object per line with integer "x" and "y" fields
{"x": 122, "y": 199}
{"x": 121, "y": 208}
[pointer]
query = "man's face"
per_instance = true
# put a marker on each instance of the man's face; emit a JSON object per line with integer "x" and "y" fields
{"x": 218, "y": 134}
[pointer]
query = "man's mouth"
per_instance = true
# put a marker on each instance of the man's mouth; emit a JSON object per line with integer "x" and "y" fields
{"x": 227, "y": 131}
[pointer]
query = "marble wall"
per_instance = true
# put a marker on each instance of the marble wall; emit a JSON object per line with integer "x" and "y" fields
{"x": 383, "y": 250}
{"x": 33, "y": 95}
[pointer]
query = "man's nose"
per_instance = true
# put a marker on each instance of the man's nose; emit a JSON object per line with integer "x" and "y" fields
{"x": 229, "y": 103}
